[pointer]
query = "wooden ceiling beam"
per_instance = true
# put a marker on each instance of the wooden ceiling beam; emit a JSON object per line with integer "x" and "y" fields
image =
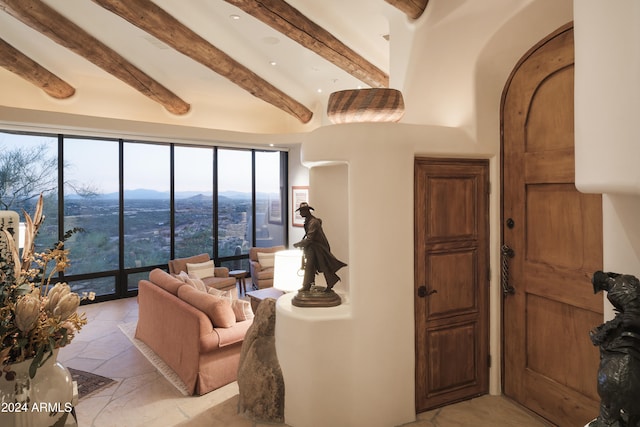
{"x": 412, "y": 8}
{"x": 52, "y": 24}
{"x": 284, "y": 18}
{"x": 18, "y": 63}
{"x": 156, "y": 21}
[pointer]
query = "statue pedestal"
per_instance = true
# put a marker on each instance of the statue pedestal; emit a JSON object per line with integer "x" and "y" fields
{"x": 316, "y": 298}
{"x": 314, "y": 351}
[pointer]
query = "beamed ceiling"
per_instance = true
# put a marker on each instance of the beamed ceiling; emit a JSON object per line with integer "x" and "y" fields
{"x": 290, "y": 54}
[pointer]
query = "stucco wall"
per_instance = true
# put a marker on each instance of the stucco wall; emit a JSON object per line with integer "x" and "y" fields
{"x": 452, "y": 90}
{"x": 607, "y": 103}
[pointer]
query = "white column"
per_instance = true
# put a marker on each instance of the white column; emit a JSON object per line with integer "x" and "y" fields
{"x": 354, "y": 365}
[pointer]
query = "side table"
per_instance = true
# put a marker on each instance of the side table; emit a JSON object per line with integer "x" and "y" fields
{"x": 240, "y": 276}
{"x": 256, "y": 297}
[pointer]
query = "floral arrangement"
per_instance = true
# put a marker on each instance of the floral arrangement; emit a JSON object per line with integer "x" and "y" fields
{"x": 35, "y": 317}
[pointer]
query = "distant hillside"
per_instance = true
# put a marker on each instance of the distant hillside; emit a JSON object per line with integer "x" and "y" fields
{"x": 164, "y": 195}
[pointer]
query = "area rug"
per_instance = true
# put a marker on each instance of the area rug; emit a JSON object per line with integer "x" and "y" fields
{"x": 129, "y": 329}
{"x": 89, "y": 383}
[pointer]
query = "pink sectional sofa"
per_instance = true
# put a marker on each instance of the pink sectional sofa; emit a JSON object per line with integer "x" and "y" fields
{"x": 204, "y": 356}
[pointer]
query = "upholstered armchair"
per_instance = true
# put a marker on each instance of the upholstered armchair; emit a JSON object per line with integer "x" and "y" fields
{"x": 261, "y": 264}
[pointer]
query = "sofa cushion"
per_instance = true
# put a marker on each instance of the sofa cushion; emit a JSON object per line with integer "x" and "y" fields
{"x": 201, "y": 269}
{"x": 217, "y": 309}
{"x": 265, "y": 274}
{"x": 165, "y": 280}
{"x": 192, "y": 280}
{"x": 228, "y": 295}
{"x": 266, "y": 260}
{"x": 242, "y": 309}
{"x": 196, "y": 283}
{"x": 235, "y": 334}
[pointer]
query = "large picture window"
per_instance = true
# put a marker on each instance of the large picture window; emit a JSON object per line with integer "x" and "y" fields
{"x": 270, "y": 216}
{"x": 29, "y": 167}
{"x": 140, "y": 204}
{"x": 193, "y": 207}
{"x": 235, "y": 203}
{"x": 92, "y": 203}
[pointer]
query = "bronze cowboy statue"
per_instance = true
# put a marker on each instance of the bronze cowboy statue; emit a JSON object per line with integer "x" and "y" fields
{"x": 317, "y": 258}
{"x": 619, "y": 342}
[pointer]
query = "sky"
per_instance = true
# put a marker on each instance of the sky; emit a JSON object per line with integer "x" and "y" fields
{"x": 146, "y": 166}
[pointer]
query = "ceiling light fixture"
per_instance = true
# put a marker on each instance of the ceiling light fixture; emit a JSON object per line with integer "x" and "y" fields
{"x": 235, "y": 17}
{"x": 273, "y": 63}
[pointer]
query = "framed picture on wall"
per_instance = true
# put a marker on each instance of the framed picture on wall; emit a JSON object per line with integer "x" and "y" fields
{"x": 298, "y": 195}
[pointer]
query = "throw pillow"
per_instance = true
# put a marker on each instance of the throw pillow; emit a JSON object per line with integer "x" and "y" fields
{"x": 217, "y": 309}
{"x": 192, "y": 280}
{"x": 221, "y": 294}
{"x": 201, "y": 269}
{"x": 182, "y": 276}
{"x": 242, "y": 309}
{"x": 265, "y": 259}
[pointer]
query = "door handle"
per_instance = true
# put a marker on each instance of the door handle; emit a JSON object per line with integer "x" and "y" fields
{"x": 506, "y": 253}
{"x": 422, "y": 292}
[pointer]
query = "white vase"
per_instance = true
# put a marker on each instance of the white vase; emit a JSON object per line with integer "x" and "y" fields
{"x": 42, "y": 401}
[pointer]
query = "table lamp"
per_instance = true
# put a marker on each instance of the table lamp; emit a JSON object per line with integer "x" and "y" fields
{"x": 287, "y": 272}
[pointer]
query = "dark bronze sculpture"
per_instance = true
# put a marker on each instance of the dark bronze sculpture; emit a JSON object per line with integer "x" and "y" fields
{"x": 317, "y": 259}
{"x": 619, "y": 342}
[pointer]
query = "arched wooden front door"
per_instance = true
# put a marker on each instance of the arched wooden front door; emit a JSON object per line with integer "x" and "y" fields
{"x": 555, "y": 235}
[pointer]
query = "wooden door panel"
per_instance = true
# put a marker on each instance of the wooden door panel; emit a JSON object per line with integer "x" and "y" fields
{"x": 551, "y": 129}
{"x": 452, "y": 218}
{"x": 562, "y": 407}
{"x": 451, "y": 247}
{"x": 449, "y": 368}
{"x": 549, "y": 349}
{"x": 454, "y": 276}
{"x": 550, "y": 365}
{"x": 556, "y": 226}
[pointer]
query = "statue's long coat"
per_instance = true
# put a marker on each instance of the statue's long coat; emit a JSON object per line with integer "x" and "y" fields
{"x": 315, "y": 240}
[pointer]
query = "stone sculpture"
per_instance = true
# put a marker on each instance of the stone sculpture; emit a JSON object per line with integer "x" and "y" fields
{"x": 619, "y": 342}
{"x": 260, "y": 381}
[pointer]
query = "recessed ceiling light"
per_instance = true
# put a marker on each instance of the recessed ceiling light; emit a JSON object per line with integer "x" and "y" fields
{"x": 234, "y": 17}
{"x": 319, "y": 90}
{"x": 273, "y": 63}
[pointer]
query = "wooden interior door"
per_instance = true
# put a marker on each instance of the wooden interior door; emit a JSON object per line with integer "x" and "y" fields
{"x": 555, "y": 233}
{"x": 451, "y": 280}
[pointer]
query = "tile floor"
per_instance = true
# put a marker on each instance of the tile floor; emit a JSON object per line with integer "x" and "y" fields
{"x": 143, "y": 397}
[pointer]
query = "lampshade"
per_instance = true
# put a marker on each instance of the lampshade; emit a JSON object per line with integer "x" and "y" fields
{"x": 287, "y": 275}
